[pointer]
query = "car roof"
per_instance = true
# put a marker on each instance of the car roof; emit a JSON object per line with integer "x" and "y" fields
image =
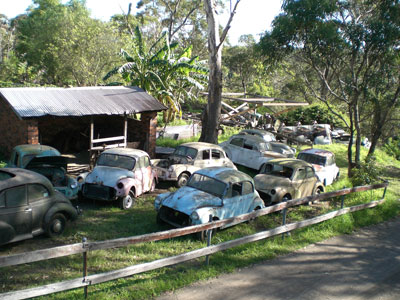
{"x": 254, "y": 138}
{"x": 127, "y": 152}
{"x": 225, "y": 174}
{"x": 321, "y": 152}
{"x": 258, "y": 131}
{"x": 22, "y": 177}
{"x": 290, "y": 162}
{"x": 202, "y": 145}
{"x": 37, "y": 149}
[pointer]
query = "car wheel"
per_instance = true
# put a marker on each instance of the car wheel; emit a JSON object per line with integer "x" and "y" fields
{"x": 56, "y": 225}
{"x": 127, "y": 201}
{"x": 182, "y": 180}
{"x": 202, "y": 235}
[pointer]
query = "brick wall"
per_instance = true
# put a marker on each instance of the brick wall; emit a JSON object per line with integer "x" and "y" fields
{"x": 14, "y": 131}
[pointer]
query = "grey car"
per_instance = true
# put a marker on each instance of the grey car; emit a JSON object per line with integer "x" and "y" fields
{"x": 29, "y": 206}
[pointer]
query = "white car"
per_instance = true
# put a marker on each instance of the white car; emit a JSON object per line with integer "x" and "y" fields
{"x": 188, "y": 158}
{"x": 323, "y": 162}
{"x": 250, "y": 151}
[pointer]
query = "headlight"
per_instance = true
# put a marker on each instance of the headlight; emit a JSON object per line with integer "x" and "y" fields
{"x": 194, "y": 216}
{"x": 80, "y": 179}
{"x": 273, "y": 192}
{"x": 120, "y": 185}
{"x": 74, "y": 184}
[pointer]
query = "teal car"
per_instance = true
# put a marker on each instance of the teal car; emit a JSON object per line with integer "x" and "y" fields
{"x": 47, "y": 161}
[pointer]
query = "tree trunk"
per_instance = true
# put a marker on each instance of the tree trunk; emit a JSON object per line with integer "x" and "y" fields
{"x": 213, "y": 110}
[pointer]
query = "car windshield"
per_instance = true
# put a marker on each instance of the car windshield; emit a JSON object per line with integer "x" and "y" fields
{"x": 207, "y": 184}
{"x": 313, "y": 159}
{"x": 27, "y": 158}
{"x": 277, "y": 170}
{"x": 185, "y": 151}
{"x": 115, "y": 160}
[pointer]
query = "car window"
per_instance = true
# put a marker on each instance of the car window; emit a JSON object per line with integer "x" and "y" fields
{"x": 186, "y": 151}
{"x": 330, "y": 161}
{"x": 247, "y": 188}
{"x": 310, "y": 173}
{"x": 207, "y": 184}
{"x": 205, "y": 154}
{"x": 37, "y": 192}
{"x": 16, "y": 158}
{"x": 300, "y": 174}
{"x": 277, "y": 170}
{"x": 216, "y": 154}
{"x": 313, "y": 159}
{"x": 118, "y": 161}
{"x": 249, "y": 146}
{"x": 2, "y": 200}
{"x": 26, "y": 159}
{"x": 16, "y": 196}
{"x": 140, "y": 162}
{"x": 236, "y": 189}
{"x": 5, "y": 175}
{"x": 146, "y": 161}
{"x": 237, "y": 142}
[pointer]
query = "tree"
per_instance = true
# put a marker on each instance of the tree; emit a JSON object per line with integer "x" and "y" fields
{"x": 168, "y": 73}
{"x": 351, "y": 47}
{"x": 212, "y": 113}
{"x": 64, "y": 44}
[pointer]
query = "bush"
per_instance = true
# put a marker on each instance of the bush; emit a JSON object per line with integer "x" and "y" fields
{"x": 367, "y": 173}
{"x": 392, "y": 147}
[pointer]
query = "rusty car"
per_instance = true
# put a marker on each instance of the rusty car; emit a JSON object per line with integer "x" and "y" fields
{"x": 47, "y": 161}
{"x": 215, "y": 192}
{"x": 287, "y": 178}
{"x": 120, "y": 174}
{"x": 188, "y": 158}
{"x": 323, "y": 162}
{"x": 30, "y": 206}
{"x": 250, "y": 151}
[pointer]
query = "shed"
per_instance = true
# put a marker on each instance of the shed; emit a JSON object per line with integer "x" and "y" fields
{"x": 72, "y": 119}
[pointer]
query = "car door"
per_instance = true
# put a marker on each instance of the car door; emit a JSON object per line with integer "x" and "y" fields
{"x": 236, "y": 149}
{"x": 40, "y": 202}
{"x": 251, "y": 155}
{"x": 203, "y": 159}
{"x": 218, "y": 158}
{"x": 139, "y": 176}
{"x": 147, "y": 173}
{"x": 237, "y": 200}
{"x": 17, "y": 212}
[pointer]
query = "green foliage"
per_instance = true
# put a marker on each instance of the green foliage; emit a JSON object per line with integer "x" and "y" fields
{"x": 367, "y": 173}
{"x": 308, "y": 114}
{"x": 392, "y": 147}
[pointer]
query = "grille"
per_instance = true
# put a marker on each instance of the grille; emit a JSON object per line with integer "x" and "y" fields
{"x": 100, "y": 192}
{"x": 174, "y": 217}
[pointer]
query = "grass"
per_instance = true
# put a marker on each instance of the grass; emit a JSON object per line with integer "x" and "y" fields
{"x": 102, "y": 221}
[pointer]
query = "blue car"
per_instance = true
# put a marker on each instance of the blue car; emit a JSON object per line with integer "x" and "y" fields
{"x": 217, "y": 191}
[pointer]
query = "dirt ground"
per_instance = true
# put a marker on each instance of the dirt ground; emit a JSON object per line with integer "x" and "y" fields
{"x": 363, "y": 265}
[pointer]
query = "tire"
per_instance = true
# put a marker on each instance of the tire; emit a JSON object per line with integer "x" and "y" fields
{"x": 56, "y": 225}
{"x": 202, "y": 235}
{"x": 182, "y": 180}
{"x": 127, "y": 201}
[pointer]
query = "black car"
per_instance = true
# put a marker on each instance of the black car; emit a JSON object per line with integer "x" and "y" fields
{"x": 29, "y": 206}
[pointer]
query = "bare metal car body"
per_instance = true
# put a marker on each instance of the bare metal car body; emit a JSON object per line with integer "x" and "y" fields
{"x": 30, "y": 206}
{"x": 249, "y": 150}
{"x": 323, "y": 162}
{"x": 188, "y": 158}
{"x": 284, "y": 179}
{"x": 217, "y": 191}
{"x": 47, "y": 161}
{"x": 119, "y": 174}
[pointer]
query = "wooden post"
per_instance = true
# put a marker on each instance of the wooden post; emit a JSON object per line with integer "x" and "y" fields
{"x": 342, "y": 199}
{"x": 209, "y": 234}
{"x": 84, "y": 245}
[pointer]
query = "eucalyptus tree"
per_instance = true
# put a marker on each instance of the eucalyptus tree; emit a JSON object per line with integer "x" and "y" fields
{"x": 65, "y": 45}
{"x": 352, "y": 46}
{"x": 164, "y": 70}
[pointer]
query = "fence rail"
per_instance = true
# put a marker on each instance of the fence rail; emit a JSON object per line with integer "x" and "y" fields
{"x": 136, "y": 269}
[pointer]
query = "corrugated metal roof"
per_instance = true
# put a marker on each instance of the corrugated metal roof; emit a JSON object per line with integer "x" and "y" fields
{"x": 79, "y": 101}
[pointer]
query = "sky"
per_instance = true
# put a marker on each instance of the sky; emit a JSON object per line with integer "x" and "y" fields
{"x": 252, "y": 17}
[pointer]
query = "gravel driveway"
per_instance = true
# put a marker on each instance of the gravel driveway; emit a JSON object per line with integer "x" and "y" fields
{"x": 363, "y": 265}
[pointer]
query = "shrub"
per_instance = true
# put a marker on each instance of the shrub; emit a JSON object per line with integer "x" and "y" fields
{"x": 367, "y": 173}
{"x": 392, "y": 147}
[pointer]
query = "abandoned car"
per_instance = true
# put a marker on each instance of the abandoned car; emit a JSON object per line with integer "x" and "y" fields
{"x": 119, "y": 174}
{"x": 249, "y": 150}
{"x": 188, "y": 158}
{"x": 217, "y": 191}
{"x": 323, "y": 162}
{"x": 29, "y": 206}
{"x": 47, "y": 161}
{"x": 285, "y": 179}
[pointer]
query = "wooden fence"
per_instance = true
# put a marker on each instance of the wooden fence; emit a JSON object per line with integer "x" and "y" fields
{"x": 85, "y": 246}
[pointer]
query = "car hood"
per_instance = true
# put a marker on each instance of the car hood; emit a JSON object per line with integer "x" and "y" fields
{"x": 264, "y": 181}
{"x": 108, "y": 175}
{"x": 188, "y": 199}
{"x": 50, "y": 161}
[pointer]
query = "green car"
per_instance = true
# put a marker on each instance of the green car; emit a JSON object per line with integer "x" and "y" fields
{"x": 47, "y": 161}
{"x": 30, "y": 206}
